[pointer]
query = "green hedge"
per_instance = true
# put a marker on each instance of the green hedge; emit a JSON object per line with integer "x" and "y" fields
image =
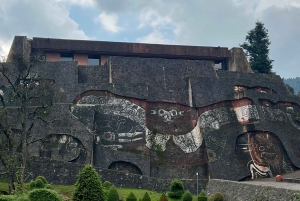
{"x": 44, "y": 194}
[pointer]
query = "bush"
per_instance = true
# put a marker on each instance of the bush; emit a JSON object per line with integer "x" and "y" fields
{"x": 40, "y": 182}
{"x": 131, "y": 197}
{"x": 163, "y": 197}
{"x": 42, "y": 179}
{"x": 146, "y": 197}
{"x": 112, "y": 194}
{"x": 32, "y": 185}
{"x": 43, "y": 194}
{"x": 218, "y": 197}
{"x": 88, "y": 186}
{"x": 106, "y": 185}
{"x": 202, "y": 196}
{"x": 176, "y": 189}
{"x": 187, "y": 196}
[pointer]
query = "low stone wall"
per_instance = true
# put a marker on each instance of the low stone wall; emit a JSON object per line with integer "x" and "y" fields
{"x": 57, "y": 172}
{"x": 241, "y": 191}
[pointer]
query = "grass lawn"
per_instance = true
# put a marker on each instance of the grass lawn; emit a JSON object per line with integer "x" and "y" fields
{"x": 68, "y": 190}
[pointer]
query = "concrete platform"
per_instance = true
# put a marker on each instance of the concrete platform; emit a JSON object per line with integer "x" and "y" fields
{"x": 254, "y": 190}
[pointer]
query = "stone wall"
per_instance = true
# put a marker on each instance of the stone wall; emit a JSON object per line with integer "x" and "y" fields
{"x": 57, "y": 172}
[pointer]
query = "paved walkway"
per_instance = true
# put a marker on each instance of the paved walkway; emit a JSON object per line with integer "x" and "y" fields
{"x": 272, "y": 181}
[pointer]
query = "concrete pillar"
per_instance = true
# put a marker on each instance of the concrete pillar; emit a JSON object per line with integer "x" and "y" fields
{"x": 82, "y": 59}
{"x": 51, "y": 56}
{"x": 238, "y": 61}
{"x": 104, "y": 59}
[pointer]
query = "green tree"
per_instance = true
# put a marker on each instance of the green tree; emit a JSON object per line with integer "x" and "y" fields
{"x": 131, "y": 197}
{"x": 256, "y": 47}
{"x": 176, "y": 189}
{"x": 146, "y": 197}
{"x": 187, "y": 196}
{"x": 25, "y": 99}
{"x": 112, "y": 194}
{"x": 88, "y": 186}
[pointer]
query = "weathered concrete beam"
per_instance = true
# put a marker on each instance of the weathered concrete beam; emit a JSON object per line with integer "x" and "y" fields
{"x": 131, "y": 49}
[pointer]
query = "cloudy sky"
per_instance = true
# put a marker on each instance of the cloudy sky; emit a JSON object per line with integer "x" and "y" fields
{"x": 186, "y": 22}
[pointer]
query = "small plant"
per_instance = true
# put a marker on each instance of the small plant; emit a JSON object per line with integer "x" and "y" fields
{"x": 112, "y": 194}
{"x": 202, "y": 196}
{"x": 218, "y": 197}
{"x": 176, "y": 189}
{"x": 187, "y": 196}
{"x": 106, "y": 185}
{"x": 40, "y": 182}
{"x": 88, "y": 186}
{"x": 42, "y": 179}
{"x": 44, "y": 195}
{"x": 131, "y": 197}
{"x": 163, "y": 197}
{"x": 146, "y": 197}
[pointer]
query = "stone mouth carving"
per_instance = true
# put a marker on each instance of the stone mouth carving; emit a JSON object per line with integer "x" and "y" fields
{"x": 268, "y": 155}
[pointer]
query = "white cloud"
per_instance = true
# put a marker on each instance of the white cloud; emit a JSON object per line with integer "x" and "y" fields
{"x": 155, "y": 37}
{"x": 4, "y": 49}
{"x": 35, "y": 19}
{"x": 83, "y": 3}
{"x": 108, "y": 22}
{"x": 150, "y": 17}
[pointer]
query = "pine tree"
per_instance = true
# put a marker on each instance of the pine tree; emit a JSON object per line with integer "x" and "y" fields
{"x": 112, "y": 194}
{"x": 257, "y": 49}
{"x": 88, "y": 186}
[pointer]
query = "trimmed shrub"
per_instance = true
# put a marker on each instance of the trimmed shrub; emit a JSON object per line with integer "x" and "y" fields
{"x": 146, "y": 197}
{"x": 176, "y": 189}
{"x": 218, "y": 197}
{"x": 187, "y": 196}
{"x": 42, "y": 179}
{"x": 112, "y": 194}
{"x": 32, "y": 185}
{"x": 88, "y": 186}
{"x": 163, "y": 197}
{"x": 39, "y": 183}
{"x": 131, "y": 197}
{"x": 106, "y": 185}
{"x": 202, "y": 196}
{"x": 43, "y": 194}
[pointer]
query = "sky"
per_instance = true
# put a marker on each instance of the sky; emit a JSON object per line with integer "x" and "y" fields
{"x": 222, "y": 23}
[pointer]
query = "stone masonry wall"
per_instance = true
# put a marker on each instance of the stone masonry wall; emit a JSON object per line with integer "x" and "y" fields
{"x": 57, "y": 172}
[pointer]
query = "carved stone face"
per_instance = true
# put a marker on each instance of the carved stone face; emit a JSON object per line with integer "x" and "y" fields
{"x": 62, "y": 148}
{"x": 264, "y": 149}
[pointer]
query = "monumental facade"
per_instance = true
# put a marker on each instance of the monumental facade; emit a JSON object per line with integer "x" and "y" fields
{"x": 163, "y": 111}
